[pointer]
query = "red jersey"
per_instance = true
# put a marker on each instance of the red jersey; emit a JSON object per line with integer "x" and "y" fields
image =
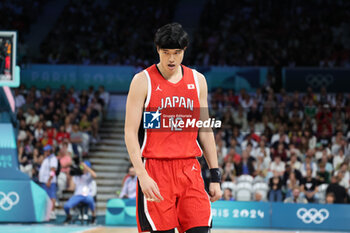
{"x": 61, "y": 136}
{"x": 172, "y": 98}
{"x": 51, "y": 132}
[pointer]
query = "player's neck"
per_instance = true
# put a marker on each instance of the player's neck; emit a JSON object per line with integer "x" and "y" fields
{"x": 169, "y": 74}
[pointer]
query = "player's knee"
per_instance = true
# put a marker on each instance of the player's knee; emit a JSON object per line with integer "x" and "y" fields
{"x": 168, "y": 231}
{"x": 198, "y": 230}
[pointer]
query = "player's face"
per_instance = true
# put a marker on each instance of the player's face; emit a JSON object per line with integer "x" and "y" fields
{"x": 170, "y": 59}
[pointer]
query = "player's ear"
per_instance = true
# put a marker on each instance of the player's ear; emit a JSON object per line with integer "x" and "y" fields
{"x": 158, "y": 49}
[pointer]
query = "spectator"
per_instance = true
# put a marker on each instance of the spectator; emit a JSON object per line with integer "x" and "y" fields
{"x": 280, "y": 152}
{"x": 227, "y": 195}
{"x": 277, "y": 166}
{"x": 84, "y": 192}
{"x": 330, "y": 198}
{"x": 104, "y": 95}
{"x": 263, "y": 150}
{"x": 344, "y": 175}
{"x": 240, "y": 119}
{"x": 235, "y": 145}
{"x": 61, "y": 135}
{"x": 221, "y": 150}
{"x": 293, "y": 162}
{"x": 65, "y": 160}
{"x": 51, "y": 133}
{"x": 309, "y": 164}
{"x": 275, "y": 184}
{"x": 324, "y": 137}
{"x": 261, "y": 166}
{"x": 293, "y": 150}
{"x": 309, "y": 187}
{"x": 46, "y": 140}
{"x": 25, "y": 161}
{"x": 47, "y": 176}
{"x": 311, "y": 139}
{"x": 76, "y": 138}
{"x": 258, "y": 197}
{"x": 323, "y": 176}
{"x": 291, "y": 183}
{"x": 39, "y": 131}
{"x": 318, "y": 151}
{"x": 289, "y": 170}
{"x": 338, "y": 159}
{"x": 19, "y": 99}
{"x": 338, "y": 190}
{"x": 296, "y": 198}
{"x": 37, "y": 161}
{"x": 245, "y": 166}
{"x": 337, "y": 144}
{"x": 31, "y": 118}
{"x": 85, "y": 124}
{"x": 130, "y": 184}
{"x": 232, "y": 156}
{"x": 295, "y": 116}
{"x": 328, "y": 165}
{"x": 229, "y": 172}
{"x": 280, "y": 137}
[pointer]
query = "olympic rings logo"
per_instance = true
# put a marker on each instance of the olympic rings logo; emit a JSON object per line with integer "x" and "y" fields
{"x": 312, "y": 215}
{"x": 319, "y": 80}
{"x": 9, "y": 200}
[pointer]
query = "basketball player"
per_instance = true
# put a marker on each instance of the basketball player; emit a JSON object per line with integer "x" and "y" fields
{"x": 171, "y": 191}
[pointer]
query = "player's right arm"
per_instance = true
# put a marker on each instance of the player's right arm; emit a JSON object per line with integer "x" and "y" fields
{"x": 134, "y": 109}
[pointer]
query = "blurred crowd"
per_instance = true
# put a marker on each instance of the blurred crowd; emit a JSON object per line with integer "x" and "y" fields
{"x": 283, "y": 33}
{"x": 297, "y": 144}
{"x": 273, "y": 33}
{"x": 56, "y": 128}
{"x": 113, "y": 32}
{"x": 19, "y": 15}
{"x": 289, "y": 141}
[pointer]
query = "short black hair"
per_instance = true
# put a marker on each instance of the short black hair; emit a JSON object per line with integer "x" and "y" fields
{"x": 171, "y": 36}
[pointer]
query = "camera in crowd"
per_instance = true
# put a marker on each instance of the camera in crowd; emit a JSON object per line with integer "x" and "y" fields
{"x": 75, "y": 168}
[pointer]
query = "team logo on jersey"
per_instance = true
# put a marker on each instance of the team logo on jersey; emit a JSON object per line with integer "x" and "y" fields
{"x": 190, "y": 86}
{"x": 151, "y": 120}
{"x": 194, "y": 168}
{"x": 158, "y": 88}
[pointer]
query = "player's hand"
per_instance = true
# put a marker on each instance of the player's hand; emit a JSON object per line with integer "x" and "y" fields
{"x": 215, "y": 191}
{"x": 150, "y": 189}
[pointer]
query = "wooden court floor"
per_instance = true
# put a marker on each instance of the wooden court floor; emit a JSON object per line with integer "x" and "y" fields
{"x": 134, "y": 230}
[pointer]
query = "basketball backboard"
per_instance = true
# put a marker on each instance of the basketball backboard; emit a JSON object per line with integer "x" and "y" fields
{"x": 9, "y": 73}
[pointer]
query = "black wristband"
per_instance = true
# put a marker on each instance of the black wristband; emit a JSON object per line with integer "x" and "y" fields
{"x": 215, "y": 175}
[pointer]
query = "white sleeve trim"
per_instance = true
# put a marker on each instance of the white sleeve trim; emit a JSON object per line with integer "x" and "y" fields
{"x": 148, "y": 216}
{"x": 149, "y": 89}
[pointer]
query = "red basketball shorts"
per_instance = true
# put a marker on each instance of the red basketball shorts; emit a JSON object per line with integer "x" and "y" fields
{"x": 186, "y": 203}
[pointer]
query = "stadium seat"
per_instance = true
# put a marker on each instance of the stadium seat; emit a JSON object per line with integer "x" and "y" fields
{"x": 245, "y": 179}
{"x": 229, "y": 185}
{"x": 258, "y": 179}
{"x": 244, "y": 191}
{"x": 262, "y": 188}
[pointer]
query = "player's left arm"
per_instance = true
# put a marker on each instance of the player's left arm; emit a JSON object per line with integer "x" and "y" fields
{"x": 206, "y": 138}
